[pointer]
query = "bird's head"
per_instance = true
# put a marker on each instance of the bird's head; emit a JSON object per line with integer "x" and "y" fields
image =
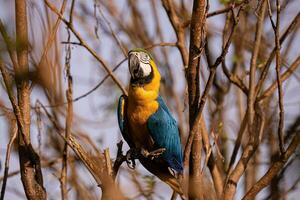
{"x": 145, "y": 77}
{"x": 141, "y": 67}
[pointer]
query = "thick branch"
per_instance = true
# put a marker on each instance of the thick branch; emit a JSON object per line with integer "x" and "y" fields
{"x": 31, "y": 174}
{"x": 253, "y": 64}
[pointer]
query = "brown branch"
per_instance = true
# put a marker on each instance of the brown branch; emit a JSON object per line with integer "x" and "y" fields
{"x": 52, "y": 34}
{"x": 253, "y": 64}
{"x": 13, "y": 100}
{"x": 237, "y": 172}
{"x": 9, "y": 45}
{"x": 283, "y": 77}
{"x": 274, "y": 169}
{"x": 91, "y": 90}
{"x": 221, "y": 11}
{"x": 293, "y": 187}
{"x": 124, "y": 51}
{"x": 292, "y": 26}
{"x": 119, "y": 159}
{"x": 96, "y": 167}
{"x": 108, "y": 162}
{"x": 8, "y": 151}
{"x": 237, "y": 145}
{"x": 210, "y": 160}
{"x": 69, "y": 117}
{"x": 44, "y": 164}
{"x": 195, "y": 178}
{"x": 227, "y": 9}
{"x": 209, "y": 154}
{"x": 161, "y": 44}
{"x": 34, "y": 158}
{"x": 207, "y": 89}
{"x": 178, "y": 28}
{"x": 193, "y": 80}
{"x": 249, "y": 116}
{"x": 279, "y": 82}
{"x": 233, "y": 78}
{"x": 196, "y": 43}
{"x": 31, "y": 173}
{"x": 87, "y": 47}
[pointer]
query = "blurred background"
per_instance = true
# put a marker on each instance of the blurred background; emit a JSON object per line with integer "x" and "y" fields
{"x": 111, "y": 28}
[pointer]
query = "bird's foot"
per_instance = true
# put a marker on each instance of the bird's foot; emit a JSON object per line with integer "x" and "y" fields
{"x": 131, "y": 155}
{"x": 135, "y": 153}
{"x": 152, "y": 154}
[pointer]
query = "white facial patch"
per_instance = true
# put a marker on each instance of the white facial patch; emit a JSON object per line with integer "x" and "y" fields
{"x": 144, "y": 58}
{"x": 146, "y": 69}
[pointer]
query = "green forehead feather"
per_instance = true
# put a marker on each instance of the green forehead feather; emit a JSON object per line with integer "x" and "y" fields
{"x": 141, "y": 50}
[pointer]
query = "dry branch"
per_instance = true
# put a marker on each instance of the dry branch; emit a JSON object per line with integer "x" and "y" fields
{"x": 96, "y": 167}
{"x": 269, "y": 91}
{"x": 275, "y": 168}
{"x": 69, "y": 117}
{"x": 7, "y": 159}
{"x": 88, "y": 48}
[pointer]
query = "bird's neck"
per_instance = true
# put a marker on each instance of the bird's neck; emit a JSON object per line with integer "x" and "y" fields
{"x": 139, "y": 95}
{"x": 147, "y": 93}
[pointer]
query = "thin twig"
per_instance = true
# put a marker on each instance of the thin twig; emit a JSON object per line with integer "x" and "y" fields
{"x": 292, "y": 26}
{"x": 87, "y": 47}
{"x": 91, "y": 90}
{"x": 279, "y": 82}
{"x": 52, "y": 33}
{"x": 96, "y": 167}
{"x": 231, "y": 185}
{"x": 237, "y": 145}
{"x": 161, "y": 44}
{"x": 283, "y": 77}
{"x": 124, "y": 51}
{"x": 48, "y": 163}
{"x": 274, "y": 169}
{"x": 69, "y": 117}
{"x": 179, "y": 29}
{"x": 9, "y": 44}
{"x": 221, "y": 11}
{"x": 8, "y": 151}
{"x": 233, "y": 78}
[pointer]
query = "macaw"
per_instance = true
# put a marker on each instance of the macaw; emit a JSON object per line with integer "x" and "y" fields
{"x": 146, "y": 122}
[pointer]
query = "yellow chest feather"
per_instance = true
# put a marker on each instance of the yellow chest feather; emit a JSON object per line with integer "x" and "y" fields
{"x": 141, "y": 105}
{"x": 138, "y": 112}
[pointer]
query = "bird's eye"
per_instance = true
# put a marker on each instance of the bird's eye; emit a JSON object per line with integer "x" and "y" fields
{"x": 145, "y": 58}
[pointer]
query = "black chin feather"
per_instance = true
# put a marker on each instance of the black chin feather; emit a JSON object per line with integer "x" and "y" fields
{"x": 142, "y": 81}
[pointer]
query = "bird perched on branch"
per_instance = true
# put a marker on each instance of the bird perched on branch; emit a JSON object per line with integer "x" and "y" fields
{"x": 146, "y": 122}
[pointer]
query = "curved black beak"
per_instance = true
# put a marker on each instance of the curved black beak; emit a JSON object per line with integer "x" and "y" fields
{"x": 134, "y": 65}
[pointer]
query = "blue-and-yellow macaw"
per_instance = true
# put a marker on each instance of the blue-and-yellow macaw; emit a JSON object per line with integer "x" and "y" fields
{"x": 146, "y": 122}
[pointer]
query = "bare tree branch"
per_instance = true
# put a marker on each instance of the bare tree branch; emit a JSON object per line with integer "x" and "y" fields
{"x": 83, "y": 43}
{"x": 274, "y": 169}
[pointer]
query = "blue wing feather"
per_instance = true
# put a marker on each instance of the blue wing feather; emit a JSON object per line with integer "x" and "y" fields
{"x": 122, "y": 119}
{"x": 164, "y": 131}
